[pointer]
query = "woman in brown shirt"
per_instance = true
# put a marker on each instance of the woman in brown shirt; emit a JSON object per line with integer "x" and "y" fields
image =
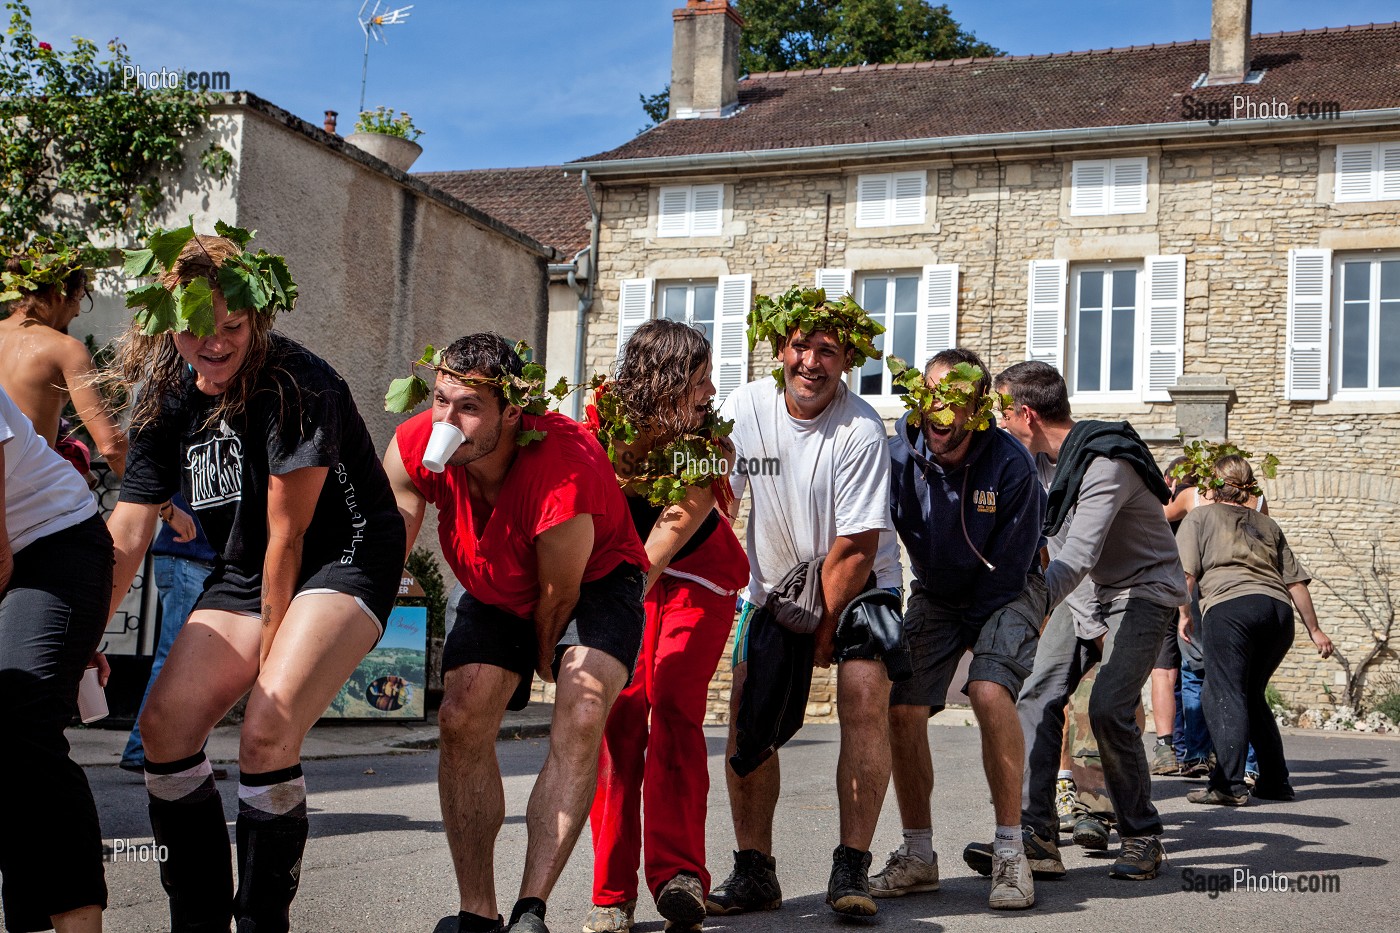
{"x": 1247, "y": 574}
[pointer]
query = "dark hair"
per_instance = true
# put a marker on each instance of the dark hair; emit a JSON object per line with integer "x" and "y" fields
{"x": 653, "y": 374}
{"x": 36, "y": 304}
{"x": 955, "y": 355}
{"x": 486, "y": 354}
{"x": 1038, "y": 386}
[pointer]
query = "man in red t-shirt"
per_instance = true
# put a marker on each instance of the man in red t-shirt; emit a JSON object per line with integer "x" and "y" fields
{"x": 541, "y": 538}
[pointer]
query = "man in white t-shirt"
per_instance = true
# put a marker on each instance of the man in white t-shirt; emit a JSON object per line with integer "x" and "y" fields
{"x": 820, "y": 489}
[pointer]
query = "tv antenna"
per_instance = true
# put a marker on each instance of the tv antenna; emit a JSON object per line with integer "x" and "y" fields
{"x": 373, "y": 27}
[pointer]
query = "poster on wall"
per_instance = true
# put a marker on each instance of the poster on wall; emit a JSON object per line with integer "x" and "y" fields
{"x": 391, "y": 681}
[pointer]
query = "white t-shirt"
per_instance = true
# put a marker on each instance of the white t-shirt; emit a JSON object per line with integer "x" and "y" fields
{"x": 43, "y": 493}
{"x": 811, "y": 481}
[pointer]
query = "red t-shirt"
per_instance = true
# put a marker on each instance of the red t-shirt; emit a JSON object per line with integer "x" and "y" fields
{"x": 550, "y": 482}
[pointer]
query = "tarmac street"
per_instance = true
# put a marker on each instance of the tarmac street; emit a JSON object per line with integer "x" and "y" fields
{"x": 378, "y": 859}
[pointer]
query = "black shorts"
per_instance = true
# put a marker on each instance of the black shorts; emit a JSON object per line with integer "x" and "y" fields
{"x": 608, "y": 616}
{"x": 1169, "y": 655}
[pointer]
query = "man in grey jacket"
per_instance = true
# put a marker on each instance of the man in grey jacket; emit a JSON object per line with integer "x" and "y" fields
{"x": 1110, "y": 490}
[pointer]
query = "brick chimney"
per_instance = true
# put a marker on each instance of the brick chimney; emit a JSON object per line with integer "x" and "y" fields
{"x": 1229, "y": 42}
{"x": 705, "y": 60}
{"x": 330, "y": 121}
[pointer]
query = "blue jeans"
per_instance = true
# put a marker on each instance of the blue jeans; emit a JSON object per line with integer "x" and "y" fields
{"x": 180, "y": 581}
{"x": 1195, "y": 735}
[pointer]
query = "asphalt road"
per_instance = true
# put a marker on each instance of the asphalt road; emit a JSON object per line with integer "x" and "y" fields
{"x": 378, "y": 860}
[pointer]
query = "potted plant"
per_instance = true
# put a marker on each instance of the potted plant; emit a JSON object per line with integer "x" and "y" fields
{"x": 387, "y": 137}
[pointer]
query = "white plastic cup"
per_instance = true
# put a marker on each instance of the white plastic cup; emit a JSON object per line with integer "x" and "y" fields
{"x": 442, "y": 444}
{"x": 92, "y": 699}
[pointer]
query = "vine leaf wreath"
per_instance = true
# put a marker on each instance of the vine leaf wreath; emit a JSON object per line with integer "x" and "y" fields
{"x": 937, "y": 402}
{"x": 1201, "y": 457}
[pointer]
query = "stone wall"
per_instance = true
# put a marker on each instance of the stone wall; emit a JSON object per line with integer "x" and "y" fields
{"x": 1233, "y": 212}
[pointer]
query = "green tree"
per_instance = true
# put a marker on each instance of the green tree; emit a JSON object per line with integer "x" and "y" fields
{"x": 787, "y": 35}
{"x": 82, "y": 150}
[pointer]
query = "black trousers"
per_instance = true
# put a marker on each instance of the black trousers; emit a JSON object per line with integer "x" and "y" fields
{"x": 51, "y": 619}
{"x": 1245, "y": 640}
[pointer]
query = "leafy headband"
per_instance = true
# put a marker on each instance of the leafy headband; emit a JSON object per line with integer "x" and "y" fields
{"x": 42, "y": 264}
{"x": 937, "y": 402}
{"x": 809, "y": 310}
{"x": 1201, "y": 457}
{"x": 258, "y": 282}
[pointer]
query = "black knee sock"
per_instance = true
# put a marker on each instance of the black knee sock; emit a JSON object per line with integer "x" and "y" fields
{"x": 475, "y": 923}
{"x": 271, "y": 839}
{"x": 187, "y": 819}
{"x": 531, "y": 905}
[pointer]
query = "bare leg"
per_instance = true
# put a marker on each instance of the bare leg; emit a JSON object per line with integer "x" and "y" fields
{"x": 863, "y": 767}
{"x": 469, "y": 777}
{"x": 589, "y": 682}
{"x": 1003, "y": 747}
{"x": 752, "y": 799}
{"x": 1164, "y": 701}
{"x": 912, "y": 762}
{"x": 1066, "y": 754}
{"x": 80, "y": 920}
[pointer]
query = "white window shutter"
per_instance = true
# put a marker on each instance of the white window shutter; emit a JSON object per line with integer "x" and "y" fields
{"x": 1356, "y": 173}
{"x": 1309, "y": 310}
{"x": 873, "y": 200}
{"x": 1045, "y": 317}
{"x": 1388, "y": 171}
{"x": 1128, "y": 186}
{"x": 909, "y": 198}
{"x": 673, "y": 212}
{"x": 731, "y": 349}
{"x": 633, "y": 309}
{"x": 706, "y": 218}
{"x": 1089, "y": 187}
{"x": 938, "y": 312}
{"x": 1164, "y": 347}
{"x": 836, "y": 282}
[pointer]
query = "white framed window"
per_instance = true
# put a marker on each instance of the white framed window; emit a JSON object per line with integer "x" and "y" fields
{"x": 690, "y": 210}
{"x": 893, "y": 199}
{"x": 1100, "y": 187}
{"x": 719, "y": 307}
{"x": 1366, "y": 326}
{"x": 1367, "y": 173}
{"x": 1116, "y": 330}
{"x": 917, "y": 308}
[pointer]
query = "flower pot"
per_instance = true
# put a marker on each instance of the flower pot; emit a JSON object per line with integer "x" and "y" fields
{"x": 394, "y": 150}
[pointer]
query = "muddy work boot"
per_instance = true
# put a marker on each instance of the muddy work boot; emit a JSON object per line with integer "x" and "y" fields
{"x": 905, "y": 874}
{"x": 1138, "y": 859}
{"x": 752, "y": 885}
{"x": 1042, "y": 854}
{"x": 848, "y": 891}
{"x": 615, "y": 919}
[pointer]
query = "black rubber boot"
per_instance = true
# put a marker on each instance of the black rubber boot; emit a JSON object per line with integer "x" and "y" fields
{"x": 269, "y": 870}
{"x": 196, "y": 872}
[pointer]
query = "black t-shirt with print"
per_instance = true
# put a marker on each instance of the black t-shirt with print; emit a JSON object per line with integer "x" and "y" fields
{"x": 300, "y": 414}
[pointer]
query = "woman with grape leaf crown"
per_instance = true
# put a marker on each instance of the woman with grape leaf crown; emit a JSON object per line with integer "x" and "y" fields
{"x": 669, "y": 451}
{"x": 265, "y": 442}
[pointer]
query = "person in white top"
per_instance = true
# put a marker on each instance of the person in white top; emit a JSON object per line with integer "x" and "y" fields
{"x": 55, "y": 578}
{"x": 814, "y": 459}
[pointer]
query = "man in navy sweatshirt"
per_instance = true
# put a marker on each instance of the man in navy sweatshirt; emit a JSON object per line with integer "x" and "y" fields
{"x": 969, "y": 507}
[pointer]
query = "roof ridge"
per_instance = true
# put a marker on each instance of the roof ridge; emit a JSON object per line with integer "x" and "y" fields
{"x": 1045, "y": 56}
{"x": 512, "y": 168}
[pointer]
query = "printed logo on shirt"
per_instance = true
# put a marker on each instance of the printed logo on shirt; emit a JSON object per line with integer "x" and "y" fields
{"x": 352, "y": 508}
{"x": 985, "y": 500}
{"x": 216, "y": 469}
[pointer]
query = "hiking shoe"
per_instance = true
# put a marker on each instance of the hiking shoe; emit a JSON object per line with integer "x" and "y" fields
{"x": 1042, "y": 854}
{"x": 1164, "y": 761}
{"x": 905, "y": 874}
{"x": 1276, "y": 792}
{"x": 1091, "y": 833}
{"x": 682, "y": 900}
{"x": 848, "y": 891}
{"x": 1012, "y": 887}
{"x": 1138, "y": 858}
{"x": 528, "y": 923}
{"x": 1196, "y": 769}
{"x": 752, "y": 885}
{"x": 1219, "y": 797}
{"x": 616, "y": 919}
{"x": 1066, "y": 803}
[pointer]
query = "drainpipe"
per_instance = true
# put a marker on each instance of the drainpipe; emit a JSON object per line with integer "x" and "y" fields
{"x": 585, "y": 294}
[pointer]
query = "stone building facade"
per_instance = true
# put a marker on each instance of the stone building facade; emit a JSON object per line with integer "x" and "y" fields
{"x": 1199, "y": 270}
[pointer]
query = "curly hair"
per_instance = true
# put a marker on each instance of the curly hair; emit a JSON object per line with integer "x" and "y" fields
{"x": 654, "y": 373}
{"x": 154, "y": 364}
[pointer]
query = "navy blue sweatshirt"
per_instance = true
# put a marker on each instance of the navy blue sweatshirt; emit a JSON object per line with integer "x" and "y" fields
{"x": 995, "y": 491}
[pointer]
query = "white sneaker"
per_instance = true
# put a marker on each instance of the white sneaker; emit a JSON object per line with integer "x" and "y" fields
{"x": 1012, "y": 886}
{"x": 905, "y": 874}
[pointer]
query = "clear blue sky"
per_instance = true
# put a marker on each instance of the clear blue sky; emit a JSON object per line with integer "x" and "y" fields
{"x": 497, "y": 83}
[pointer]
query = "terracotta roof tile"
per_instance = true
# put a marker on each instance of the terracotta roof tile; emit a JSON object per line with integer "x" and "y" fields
{"x": 1358, "y": 67}
{"x": 542, "y": 201}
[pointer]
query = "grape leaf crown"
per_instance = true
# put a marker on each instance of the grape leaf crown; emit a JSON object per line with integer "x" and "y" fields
{"x": 255, "y": 282}
{"x": 1201, "y": 457}
{"x": 42, "y": 263}
{"x": 809, "y": 310}
{"x": 700, "y": 450}
{"x": 937, "y": 402}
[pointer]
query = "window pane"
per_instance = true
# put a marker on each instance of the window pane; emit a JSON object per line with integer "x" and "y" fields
{"x": 673, "y": 302}
{"x": 906, "y": 322}
{"x": 1120, "y": 351}
{"x": 1356, "y": 319}
{"x": 1356, "y": 281}
{"x": 1125, "y": 288}
{"x": 872, "y": 374}
{"x": 1389, "y": 348}
{"x": 703, "y": 314}
{"x": 1089, "y": 355}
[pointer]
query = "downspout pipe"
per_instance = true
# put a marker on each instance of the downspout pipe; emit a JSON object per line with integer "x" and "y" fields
{"x": 585, "y": 293}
